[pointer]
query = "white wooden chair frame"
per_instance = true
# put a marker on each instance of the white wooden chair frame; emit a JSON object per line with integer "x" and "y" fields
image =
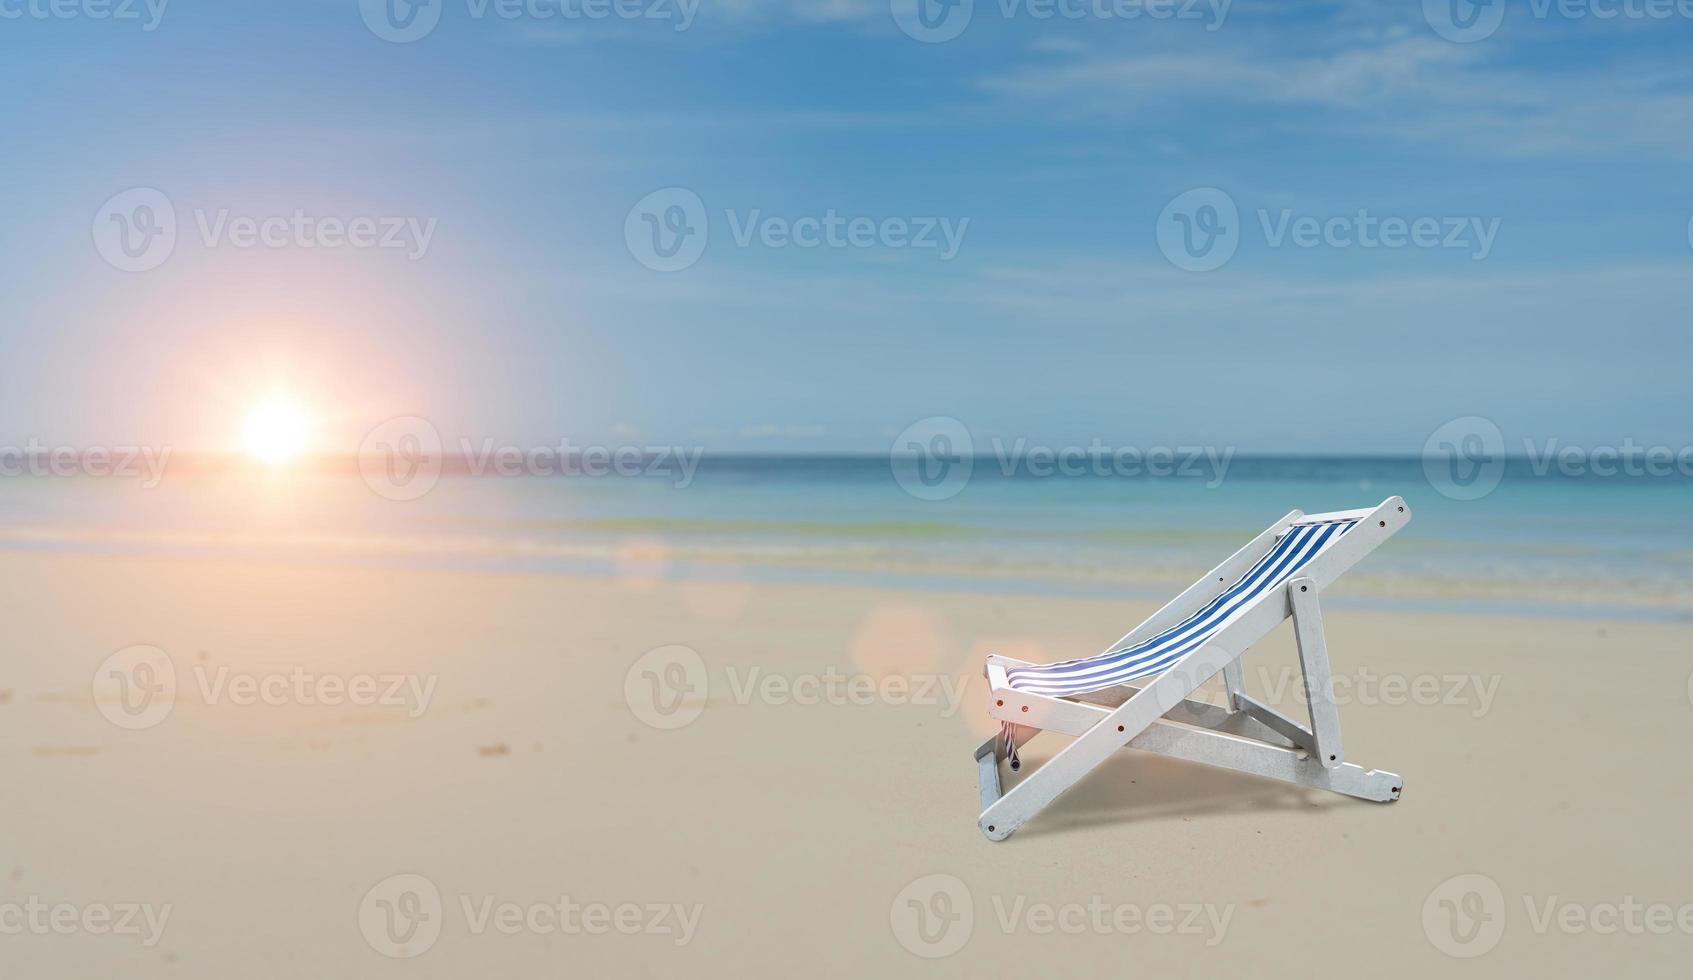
{"x": 1158, "y": 716}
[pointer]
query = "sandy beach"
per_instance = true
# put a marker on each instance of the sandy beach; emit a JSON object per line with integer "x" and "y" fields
{"x": 335, "y": 727}
{"x": 515, "y": 489}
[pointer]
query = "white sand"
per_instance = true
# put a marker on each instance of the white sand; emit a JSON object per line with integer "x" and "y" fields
{"x": 789, "y": 828}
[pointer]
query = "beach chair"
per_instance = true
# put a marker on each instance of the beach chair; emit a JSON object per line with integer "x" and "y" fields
{"x": 1136, "y": 693}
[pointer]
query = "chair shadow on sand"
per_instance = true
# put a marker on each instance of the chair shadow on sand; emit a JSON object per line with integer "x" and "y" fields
{"x": 1139, "y": 787}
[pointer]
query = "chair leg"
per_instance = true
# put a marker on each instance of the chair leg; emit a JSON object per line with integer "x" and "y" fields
{"x": 987, "y": 769}
{"x": 1136, "y": 720}
{"x": 1234, "y": 683}
{"x": 1099, "y": 743}
{"x": 1314, "y": 662}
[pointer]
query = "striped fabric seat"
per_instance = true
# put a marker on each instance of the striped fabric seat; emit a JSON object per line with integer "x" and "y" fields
{"x": 1300, "y": 544}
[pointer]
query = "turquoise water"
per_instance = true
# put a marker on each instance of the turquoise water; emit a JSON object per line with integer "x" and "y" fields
{"x": 1549, "y": 544}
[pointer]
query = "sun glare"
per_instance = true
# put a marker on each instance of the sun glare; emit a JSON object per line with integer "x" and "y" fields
{"x": 276, "y": 432}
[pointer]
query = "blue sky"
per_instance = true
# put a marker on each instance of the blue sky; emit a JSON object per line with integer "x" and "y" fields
{"x": 1054, "y": 145}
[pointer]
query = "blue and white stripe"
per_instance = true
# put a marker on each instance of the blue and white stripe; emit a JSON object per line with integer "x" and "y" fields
{"x": 1300, "y": 544}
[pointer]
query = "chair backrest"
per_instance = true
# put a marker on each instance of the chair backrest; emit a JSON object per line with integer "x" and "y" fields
{"x": 1296, "y": 546}
{"x": 1235, "y": 605}
{"x": 1368, "y": 528}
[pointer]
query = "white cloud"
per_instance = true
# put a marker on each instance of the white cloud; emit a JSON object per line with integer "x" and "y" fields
{"x": 1396, "y": 86}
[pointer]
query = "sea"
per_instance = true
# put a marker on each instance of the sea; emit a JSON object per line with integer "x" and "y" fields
{"x": 1520, "y": 538}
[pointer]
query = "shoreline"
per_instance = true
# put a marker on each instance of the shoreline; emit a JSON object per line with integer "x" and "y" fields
{"x": 647, "y": 562}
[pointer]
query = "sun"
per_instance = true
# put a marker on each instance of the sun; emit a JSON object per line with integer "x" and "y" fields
{"x": 276, "y": 431}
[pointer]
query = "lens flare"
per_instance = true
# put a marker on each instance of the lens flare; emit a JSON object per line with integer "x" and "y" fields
{"x": 276, "y": 432}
